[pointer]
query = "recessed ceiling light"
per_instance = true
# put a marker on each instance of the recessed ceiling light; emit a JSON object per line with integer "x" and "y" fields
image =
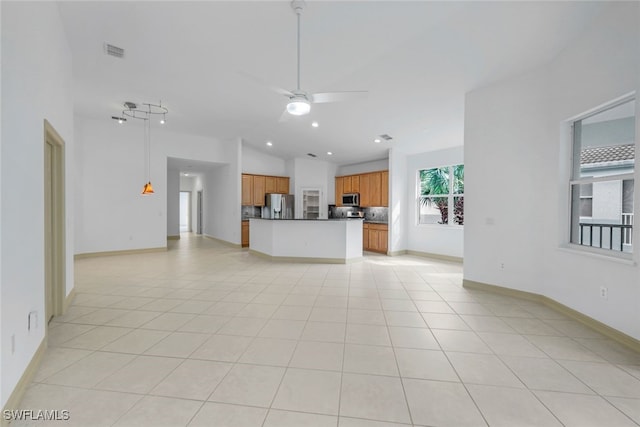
{"x": 377, "y": 140}
{"x": 314, "y": 124}
{"x": 269, "y": 143}
{"x": 330, "y": 153}
{"x": 186, "y": 174}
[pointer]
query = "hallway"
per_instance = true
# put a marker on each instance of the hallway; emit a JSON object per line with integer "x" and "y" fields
{"x": 209, "y": 335}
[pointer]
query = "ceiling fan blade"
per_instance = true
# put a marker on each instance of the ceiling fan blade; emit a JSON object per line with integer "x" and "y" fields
{"x": 318, "y": 98}
{"x": 285, "y": 116}
{"x": 261, "y": 82}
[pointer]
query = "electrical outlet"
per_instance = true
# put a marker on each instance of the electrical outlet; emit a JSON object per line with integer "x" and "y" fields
{"x": 502, "y": 266}
{"x": 604, "y": 292}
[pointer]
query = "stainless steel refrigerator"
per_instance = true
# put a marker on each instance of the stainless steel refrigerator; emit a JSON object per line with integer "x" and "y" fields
{"x": 278, "y": 206}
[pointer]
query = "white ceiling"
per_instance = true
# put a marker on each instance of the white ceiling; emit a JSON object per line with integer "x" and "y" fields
{"x": 417, "y": 60}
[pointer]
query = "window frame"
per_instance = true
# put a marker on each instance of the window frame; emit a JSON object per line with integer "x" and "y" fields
{"x": 574, "y": 170}
{"x": 450, "y": 196}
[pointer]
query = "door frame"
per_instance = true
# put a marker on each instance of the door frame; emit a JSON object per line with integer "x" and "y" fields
{"x": 54, "y": 223}
{"x": 199, "y": 212}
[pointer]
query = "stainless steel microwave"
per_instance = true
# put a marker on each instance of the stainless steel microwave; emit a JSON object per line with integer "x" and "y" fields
{"x": 352, "y": 199}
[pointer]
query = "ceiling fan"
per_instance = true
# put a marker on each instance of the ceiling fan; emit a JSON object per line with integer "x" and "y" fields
{"x": 299, "y": 100}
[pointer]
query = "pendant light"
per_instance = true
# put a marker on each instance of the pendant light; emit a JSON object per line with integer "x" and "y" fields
{"x": 145, "y": 112}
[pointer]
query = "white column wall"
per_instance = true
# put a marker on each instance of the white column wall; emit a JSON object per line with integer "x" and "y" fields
{"x": 398, "y": 204}
{"x": 517, "y": 148}
{"x": 36, "y": 85}
{"x": 223, "y": 197}
{"x": 173, "y": 202}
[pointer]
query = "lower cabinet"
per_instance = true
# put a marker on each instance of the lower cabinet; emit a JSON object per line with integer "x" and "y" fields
{"x": 375, "y": 237}
{"x": 245, "y": 234}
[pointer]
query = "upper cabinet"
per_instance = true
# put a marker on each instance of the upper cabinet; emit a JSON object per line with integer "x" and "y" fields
{"x": 270, "y": 185}
{"x": 282, "y": 185}
{"x": 339, "y": 190}
{"x": 254, "y": 188}
{"x": 385, "y": 188}
{"x": 247, "y": 190}
{"x": 258, "y": 190}
{"x": 373, "y": 188}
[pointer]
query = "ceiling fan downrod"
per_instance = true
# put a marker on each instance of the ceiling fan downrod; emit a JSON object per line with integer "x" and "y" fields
{"x": 298, "y": 6}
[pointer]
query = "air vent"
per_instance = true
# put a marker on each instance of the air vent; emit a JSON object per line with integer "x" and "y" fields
{"x": 311, "y": 155}
{"x": 386, "y": 137}
{"x": 130, "y": 105}
{"x": 112, "y": 50}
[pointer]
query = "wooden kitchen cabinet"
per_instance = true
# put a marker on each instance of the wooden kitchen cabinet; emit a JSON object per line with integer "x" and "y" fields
{"x": 259, "y": 183}
{"x": 254, "y": 188}
{"x": 346, "y": 185}
{"x": 245, "y": 234}
{"x": 375, "y": 238}
{"x": 247, "y": 190}
{"x": 355, "y": 184}
{"x": 282, "y": 185}
{"x": 384, "y": 199}
{"x": 339, "y": 190}
{"x": 375, "y": 189}
{"x": 365, "y": 237}
{"x": 351, "y": 184}
{"x": 365, "y": 191}
{"x": 270, "y": 185}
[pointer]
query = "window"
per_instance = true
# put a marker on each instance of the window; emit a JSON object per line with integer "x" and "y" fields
{"x": 441, "y": 198}
{"x": 602, "y": 183}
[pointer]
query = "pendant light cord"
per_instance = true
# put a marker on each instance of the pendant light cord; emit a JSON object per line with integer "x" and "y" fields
{"x": 149, "y": 149}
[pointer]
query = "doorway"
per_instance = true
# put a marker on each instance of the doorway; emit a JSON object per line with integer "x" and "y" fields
{"x": 199, "y": 213}
{"x": 185, "y": 211}
{"x": 54, "y": 223}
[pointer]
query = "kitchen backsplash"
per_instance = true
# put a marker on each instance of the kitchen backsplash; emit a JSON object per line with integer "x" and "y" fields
{"x": 376, "y": 214}
{"x": 371, "y": 214}
{"x": 251, "y": 212}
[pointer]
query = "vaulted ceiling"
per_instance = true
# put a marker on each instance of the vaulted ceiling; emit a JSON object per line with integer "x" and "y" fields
{"x": 211, "y": 64}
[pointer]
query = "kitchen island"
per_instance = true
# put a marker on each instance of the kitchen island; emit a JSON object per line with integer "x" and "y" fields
{"x": 336, "y": 241}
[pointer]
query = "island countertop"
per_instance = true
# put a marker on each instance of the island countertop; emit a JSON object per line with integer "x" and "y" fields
{"x": 326, "y": 240}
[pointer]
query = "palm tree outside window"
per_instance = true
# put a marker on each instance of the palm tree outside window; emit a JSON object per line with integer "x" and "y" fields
{"x": 441, "y": 198}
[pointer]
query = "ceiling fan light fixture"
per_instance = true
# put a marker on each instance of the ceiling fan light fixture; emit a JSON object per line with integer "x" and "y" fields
{"x": 298, "y": 106}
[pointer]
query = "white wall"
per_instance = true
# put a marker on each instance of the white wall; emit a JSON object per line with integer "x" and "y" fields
{"x": 256, "y": 162}
{"x": 517, "y": 150}
{"x": 398, "y": 204}
{"x": 312, "y": 173}
{"x": 173, "y": 202}
{"x": 222, "y": 198}
{"x": 111, "y": 213}
{"x": 36, "y": 85}
{"x": 356, "y": 168}
{"x": 431, "y": 238}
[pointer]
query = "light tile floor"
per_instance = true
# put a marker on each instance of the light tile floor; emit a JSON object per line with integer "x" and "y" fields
{"x": 206, "y": 335}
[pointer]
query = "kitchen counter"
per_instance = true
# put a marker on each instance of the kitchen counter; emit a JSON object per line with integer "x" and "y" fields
{"x": 305, "y": 219}
{"x": 337, "y": 241}
{"x": 367, "y": 221}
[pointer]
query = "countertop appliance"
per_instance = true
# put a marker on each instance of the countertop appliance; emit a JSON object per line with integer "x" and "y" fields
{"x": 357, "y": 214}
{"x": 351, "y": 199}
{"x": 278, "y": 206}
